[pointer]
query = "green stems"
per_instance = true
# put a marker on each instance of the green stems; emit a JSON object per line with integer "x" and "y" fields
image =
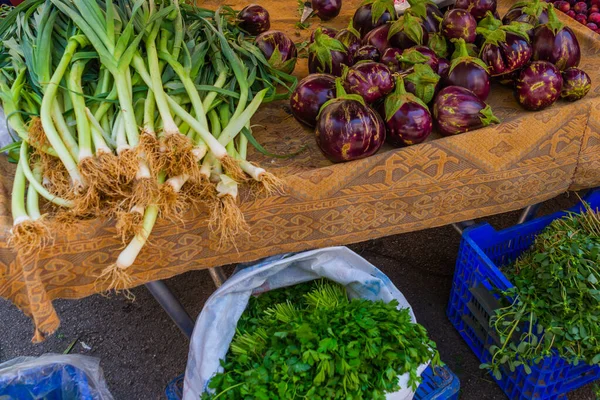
{"x": 238, "y": 123}
{"x": 160, "y": 96}
{"x": 190, "y": 87}
{"x": 33, "y": 199}
{"x": 84, "y": 131}
{"x": 19, "y": 213}
{"x": 46, "y": 114}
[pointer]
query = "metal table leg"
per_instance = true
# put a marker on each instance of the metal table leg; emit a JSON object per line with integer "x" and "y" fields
{"x": 172, "y": 306}
{"x": 218, "y": 276}
{"x": 529, "y": 213}
{"x": 461, "y": 226}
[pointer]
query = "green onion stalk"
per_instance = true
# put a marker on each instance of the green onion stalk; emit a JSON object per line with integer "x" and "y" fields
{"x": 29, "y": 232}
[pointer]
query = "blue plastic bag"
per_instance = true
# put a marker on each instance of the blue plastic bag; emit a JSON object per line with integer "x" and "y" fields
{"x": 53, "y": 377}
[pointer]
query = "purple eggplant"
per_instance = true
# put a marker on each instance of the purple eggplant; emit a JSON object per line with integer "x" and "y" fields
{"x": 390, "y": 57}
{"x": 457, "y": 110}
{"x": 326, "y": 9}
{"x": 555, "y": 43}
{"x": 443, "y": 68}
{"x": 349, "y": 38}
{"x": 533, "y": 12}
{"x": 407, "y": 118}
{"x": 327, "y": 55}
{"x": 310, "y": 95}
{"x": 407, "y": 32}
{"x": 468, "y": 72}
{"x": 423, "y": 82}
{"x": 331, "y": 32}
{"x": 576, "y": 84}
{"x": 373, "y": 13}
{"x": 378, "y": 37}
{"x": 439, "y": 44}
{"x": 367, "y": 53}
{"x": 429, "y": 13}
{"x": 459, "y": 24}
{"x": 254, "y": 19}
{"x": 506, "y": 49}
{"x": 539, "y": 85}
{"x": 279, "y": 50}
{"x": 370, "y": 79}
{"x": 477, "y": 8}
{"x": 347, "y": 129}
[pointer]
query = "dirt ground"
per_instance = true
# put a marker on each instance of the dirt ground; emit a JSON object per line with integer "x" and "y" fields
{"x": 142, "y": 350}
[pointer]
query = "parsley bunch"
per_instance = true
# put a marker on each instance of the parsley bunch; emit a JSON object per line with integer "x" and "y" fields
{"x": 556, "y": 298}
{"x": 313, "y": 342}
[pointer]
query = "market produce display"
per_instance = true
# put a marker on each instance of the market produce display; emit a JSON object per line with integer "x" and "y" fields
{"x": 525, "y": 50}
{"x": 553, "y": 305}
{"x": 321, "y": 345}
{"x": 134, "y": 111}
{"x": 528, "y": 158}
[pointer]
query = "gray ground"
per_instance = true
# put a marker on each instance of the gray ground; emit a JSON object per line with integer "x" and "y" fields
{"x": 142, "y": 350}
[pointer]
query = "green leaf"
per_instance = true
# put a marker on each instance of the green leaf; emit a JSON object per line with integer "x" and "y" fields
{"x": 487, "y": 117}
{"x": 379, "y": 7}
{"x": 248, "y": 133}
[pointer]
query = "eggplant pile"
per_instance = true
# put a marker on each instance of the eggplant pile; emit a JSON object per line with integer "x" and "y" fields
{"x": 397, "y": 79}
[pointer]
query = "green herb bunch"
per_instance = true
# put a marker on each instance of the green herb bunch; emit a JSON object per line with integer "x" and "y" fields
{"x": 317, "y": 344}
{"x": 556, "y": 293}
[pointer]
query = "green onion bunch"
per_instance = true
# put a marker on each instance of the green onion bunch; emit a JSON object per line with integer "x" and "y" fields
{"x": 132, "y": 110}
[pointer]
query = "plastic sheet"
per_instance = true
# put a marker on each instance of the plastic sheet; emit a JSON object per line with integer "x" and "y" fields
{"x": 53, "y": 376}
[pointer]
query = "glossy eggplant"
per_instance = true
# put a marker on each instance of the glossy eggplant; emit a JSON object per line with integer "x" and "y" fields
{"x": 326, "y": 9}
{"x": 457, "y": 110}
{"x": 407, "y": 118}
{"x": 477, "y": 8}
{"x": 371, "y": 80}
{"x": 373, "y": 13}
{"x": 254, "y": 19}
{"x": 459, "y": 24}
{"x": 407, "y": 32}
{"x": 533, "y": 12}
{"x": 348, "y": 129}
{"x": 539, "y": 85}
{"x": 468, "y": 72}
{"x": 429, "y": 13}
{"x": 390, "y": 58}
{"x": 349, "y": 38}
{"x": 576, "y": 84}
{"x": 327, "y": 55}
{"x": 367, "y": 53}
{"x": 556, "y": 43}
{"x": 310, "y": 95}
{"x": 278, "y": 49}
{"x": 443, "y": 68}
{"x": 378, "y": 37}
{"x": 506, "y": 49}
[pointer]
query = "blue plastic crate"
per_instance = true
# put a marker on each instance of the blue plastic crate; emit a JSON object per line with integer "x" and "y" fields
{"x": 441, "y": 385}
{"x": 483, "y": 252}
